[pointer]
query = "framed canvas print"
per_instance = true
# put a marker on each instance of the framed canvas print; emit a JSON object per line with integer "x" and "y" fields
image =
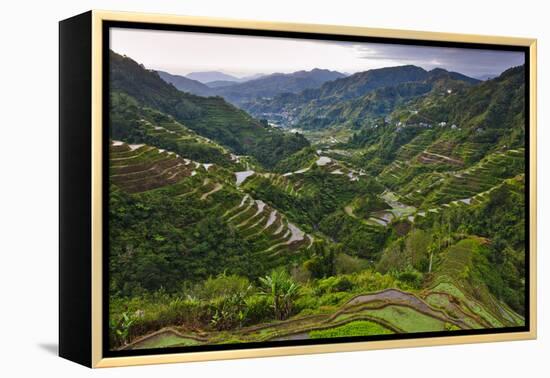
{"x": 236, "y": 189}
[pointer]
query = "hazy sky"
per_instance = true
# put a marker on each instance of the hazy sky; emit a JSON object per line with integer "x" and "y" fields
{"x": 184, "y": 52}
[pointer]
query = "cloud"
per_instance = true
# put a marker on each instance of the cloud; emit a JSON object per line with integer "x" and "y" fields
{"x": 473, "y": 62}
{"x": 184, "y": 52}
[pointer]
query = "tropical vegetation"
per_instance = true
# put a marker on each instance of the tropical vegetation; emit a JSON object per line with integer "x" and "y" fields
{"x": 263, "y": 223}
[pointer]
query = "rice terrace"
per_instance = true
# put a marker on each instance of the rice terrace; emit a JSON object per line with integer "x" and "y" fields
{"x": 307, "y": 200}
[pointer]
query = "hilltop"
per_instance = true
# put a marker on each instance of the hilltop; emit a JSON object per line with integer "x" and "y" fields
{"x": 186, "y": 84}
{"x": 271, "y": 85}
{"x": 355, "y": 99}
{"x": 239, "y": 91}
{"x": 211, "y": 117}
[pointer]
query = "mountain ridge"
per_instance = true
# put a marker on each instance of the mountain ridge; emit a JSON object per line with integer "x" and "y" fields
{"x": 207, "y": 76}
{"x": 312, "y": 104}
{"x": 240, "y": 90}
{"x": 186, "y": 84}
{"x": 211, "y": 117}
{"x": 276, "y": 83}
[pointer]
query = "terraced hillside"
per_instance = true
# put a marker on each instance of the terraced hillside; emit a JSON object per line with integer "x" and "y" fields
{"x": 317, "y": 189}
{"x": 452, "y": 289}
{"x": 437, "y": 188}
{"x": 147, "y": 171}
{"x": 450, "y": 301}
{"x": 452, "y": 297}
{"x": 478, "y": 178}
{"x": 433, "y": 192}
{"x": 211, "y": 117}
{"x": 254, "y": 218}
{"x": 432, "y": 157}
{"x": 138, "y": 167}
{"x": 142, "y": 125}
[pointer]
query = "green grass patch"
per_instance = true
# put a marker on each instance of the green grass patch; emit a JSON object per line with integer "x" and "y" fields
{"x": 164, "y": 340}
{"x": 407, "y": 319}
{"x": 357, "y": 328}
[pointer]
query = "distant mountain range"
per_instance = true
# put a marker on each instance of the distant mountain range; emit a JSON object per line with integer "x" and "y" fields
{"x": 221, "y": 83}
{"x": 355, "y": 98}
{"x": 208, "y": 76}
{"x": 237, "y": 92}
{"x": 322, "y": 98}
{"x": 277, "y": 83}
{"x": 186, "y": 84}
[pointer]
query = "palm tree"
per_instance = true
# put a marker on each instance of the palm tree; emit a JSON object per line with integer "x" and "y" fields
{"x": 283, "y": 290}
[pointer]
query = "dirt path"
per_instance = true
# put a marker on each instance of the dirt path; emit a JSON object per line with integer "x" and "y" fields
{"x": 349, "y": 211}
{"x": 455, "y": 161}
{"x": 216, "y": 188}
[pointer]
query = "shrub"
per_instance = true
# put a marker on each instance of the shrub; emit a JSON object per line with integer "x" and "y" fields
{"x": 229, "y": 311}
{"x": 120, "y": 328}
{"x": 346, "y": 264}
{"x": 374, "y": 281}
{"x": 307, "y": 303}
{"x": 335, "y": 284}
{"x": 223, "y": 285}
{"x": 357, "y": 328}
{"x": 300, "y": 273}
{"x": 259, "y": 308}
{"x": 333, "y": 299}
{"x": 283, "y": 291}
{"x": 321, "y": 263}
{"x": 158, "y": 313}
{"x": 411, "y": 276}
{"x": 179, "y": 311}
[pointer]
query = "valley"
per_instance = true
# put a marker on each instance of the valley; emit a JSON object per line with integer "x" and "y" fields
{"x": 384, "y": 202}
